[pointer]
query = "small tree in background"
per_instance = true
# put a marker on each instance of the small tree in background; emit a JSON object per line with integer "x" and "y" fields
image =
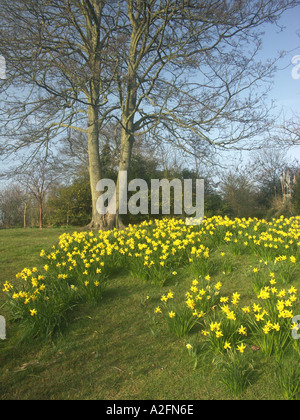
{"x": 11, "y": 206}
{"x": 238, "y": 193}
{"x": 296, "y": 195}
{"x": 70, "y": 204}
{"x": 37, "y": 179}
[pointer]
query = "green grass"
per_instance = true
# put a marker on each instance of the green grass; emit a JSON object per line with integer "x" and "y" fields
{"x": 115, "y": 350}
{"x": 22, "y": 247}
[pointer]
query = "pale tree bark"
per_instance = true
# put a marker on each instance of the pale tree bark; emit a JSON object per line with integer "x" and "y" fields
{"x": 41, "y": 213}
{"x": 94, "y": 162}
{"x": 128, "y": 112}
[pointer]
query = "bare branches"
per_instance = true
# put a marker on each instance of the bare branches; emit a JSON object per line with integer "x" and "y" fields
{"x": 177, "y": 55}
{"x": 289, "y": 132}
{"x": 52, "y": 53}
{"x": 181, "y": 71}
{"x": 193, "y": 70}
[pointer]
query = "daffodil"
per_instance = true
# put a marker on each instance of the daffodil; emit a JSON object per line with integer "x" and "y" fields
{"x": 241, "y": 347}
{"x": 227, "y": 345}
{"x": 256, "y": 308}
{"x": 170, "y": 294}
{"x": 276, "y": 327}
{"x": 218, "y": 285}
{"x": 172, "y": 314}
{"x": 231, "y": 315}
{"x": 292, "y": 290}
{"x": 242, "y": 330}
{"x": 33, "y": 312}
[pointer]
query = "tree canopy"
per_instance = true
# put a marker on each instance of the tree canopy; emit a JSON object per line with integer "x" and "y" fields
{"x": 179, "y": 71}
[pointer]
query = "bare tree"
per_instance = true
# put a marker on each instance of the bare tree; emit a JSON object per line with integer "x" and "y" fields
{"x": 11, "y": 207}
{"x": 36, "y": 182}
{"x": 178, "y": 69}
{"x": 238, "y": 192}
{"x": 289, "y": 131}
{"x": 59, "y": 51}
{"x": 189, "y": 72}
{"x": 266, "y": 166}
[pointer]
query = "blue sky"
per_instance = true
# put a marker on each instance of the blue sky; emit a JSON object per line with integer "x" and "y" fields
{"x": 286, "y": 89}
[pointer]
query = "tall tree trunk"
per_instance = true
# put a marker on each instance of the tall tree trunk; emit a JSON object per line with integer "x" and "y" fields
{"x": 127, "y": 141}
{"x": 40, "y": 214}
{"x": 94, "y": 164}
{"x": 99, "y": 221}
{"x": 24, "y": 214}
{"x": 128, "y": 129}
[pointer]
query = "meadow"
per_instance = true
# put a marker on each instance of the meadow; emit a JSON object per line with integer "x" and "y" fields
{"x": 160, "y": 310}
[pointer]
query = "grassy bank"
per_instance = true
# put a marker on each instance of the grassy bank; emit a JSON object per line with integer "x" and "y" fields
{"x": 119, "y": 348}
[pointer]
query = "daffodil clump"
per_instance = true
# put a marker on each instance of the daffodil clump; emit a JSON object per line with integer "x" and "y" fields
{"x": 232, "y": 332}
{"x": 225, "y": 324}
{"x": 77, "y": 268}
{"x": 71, "y": 273}
{"x": 200, "y": 299}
